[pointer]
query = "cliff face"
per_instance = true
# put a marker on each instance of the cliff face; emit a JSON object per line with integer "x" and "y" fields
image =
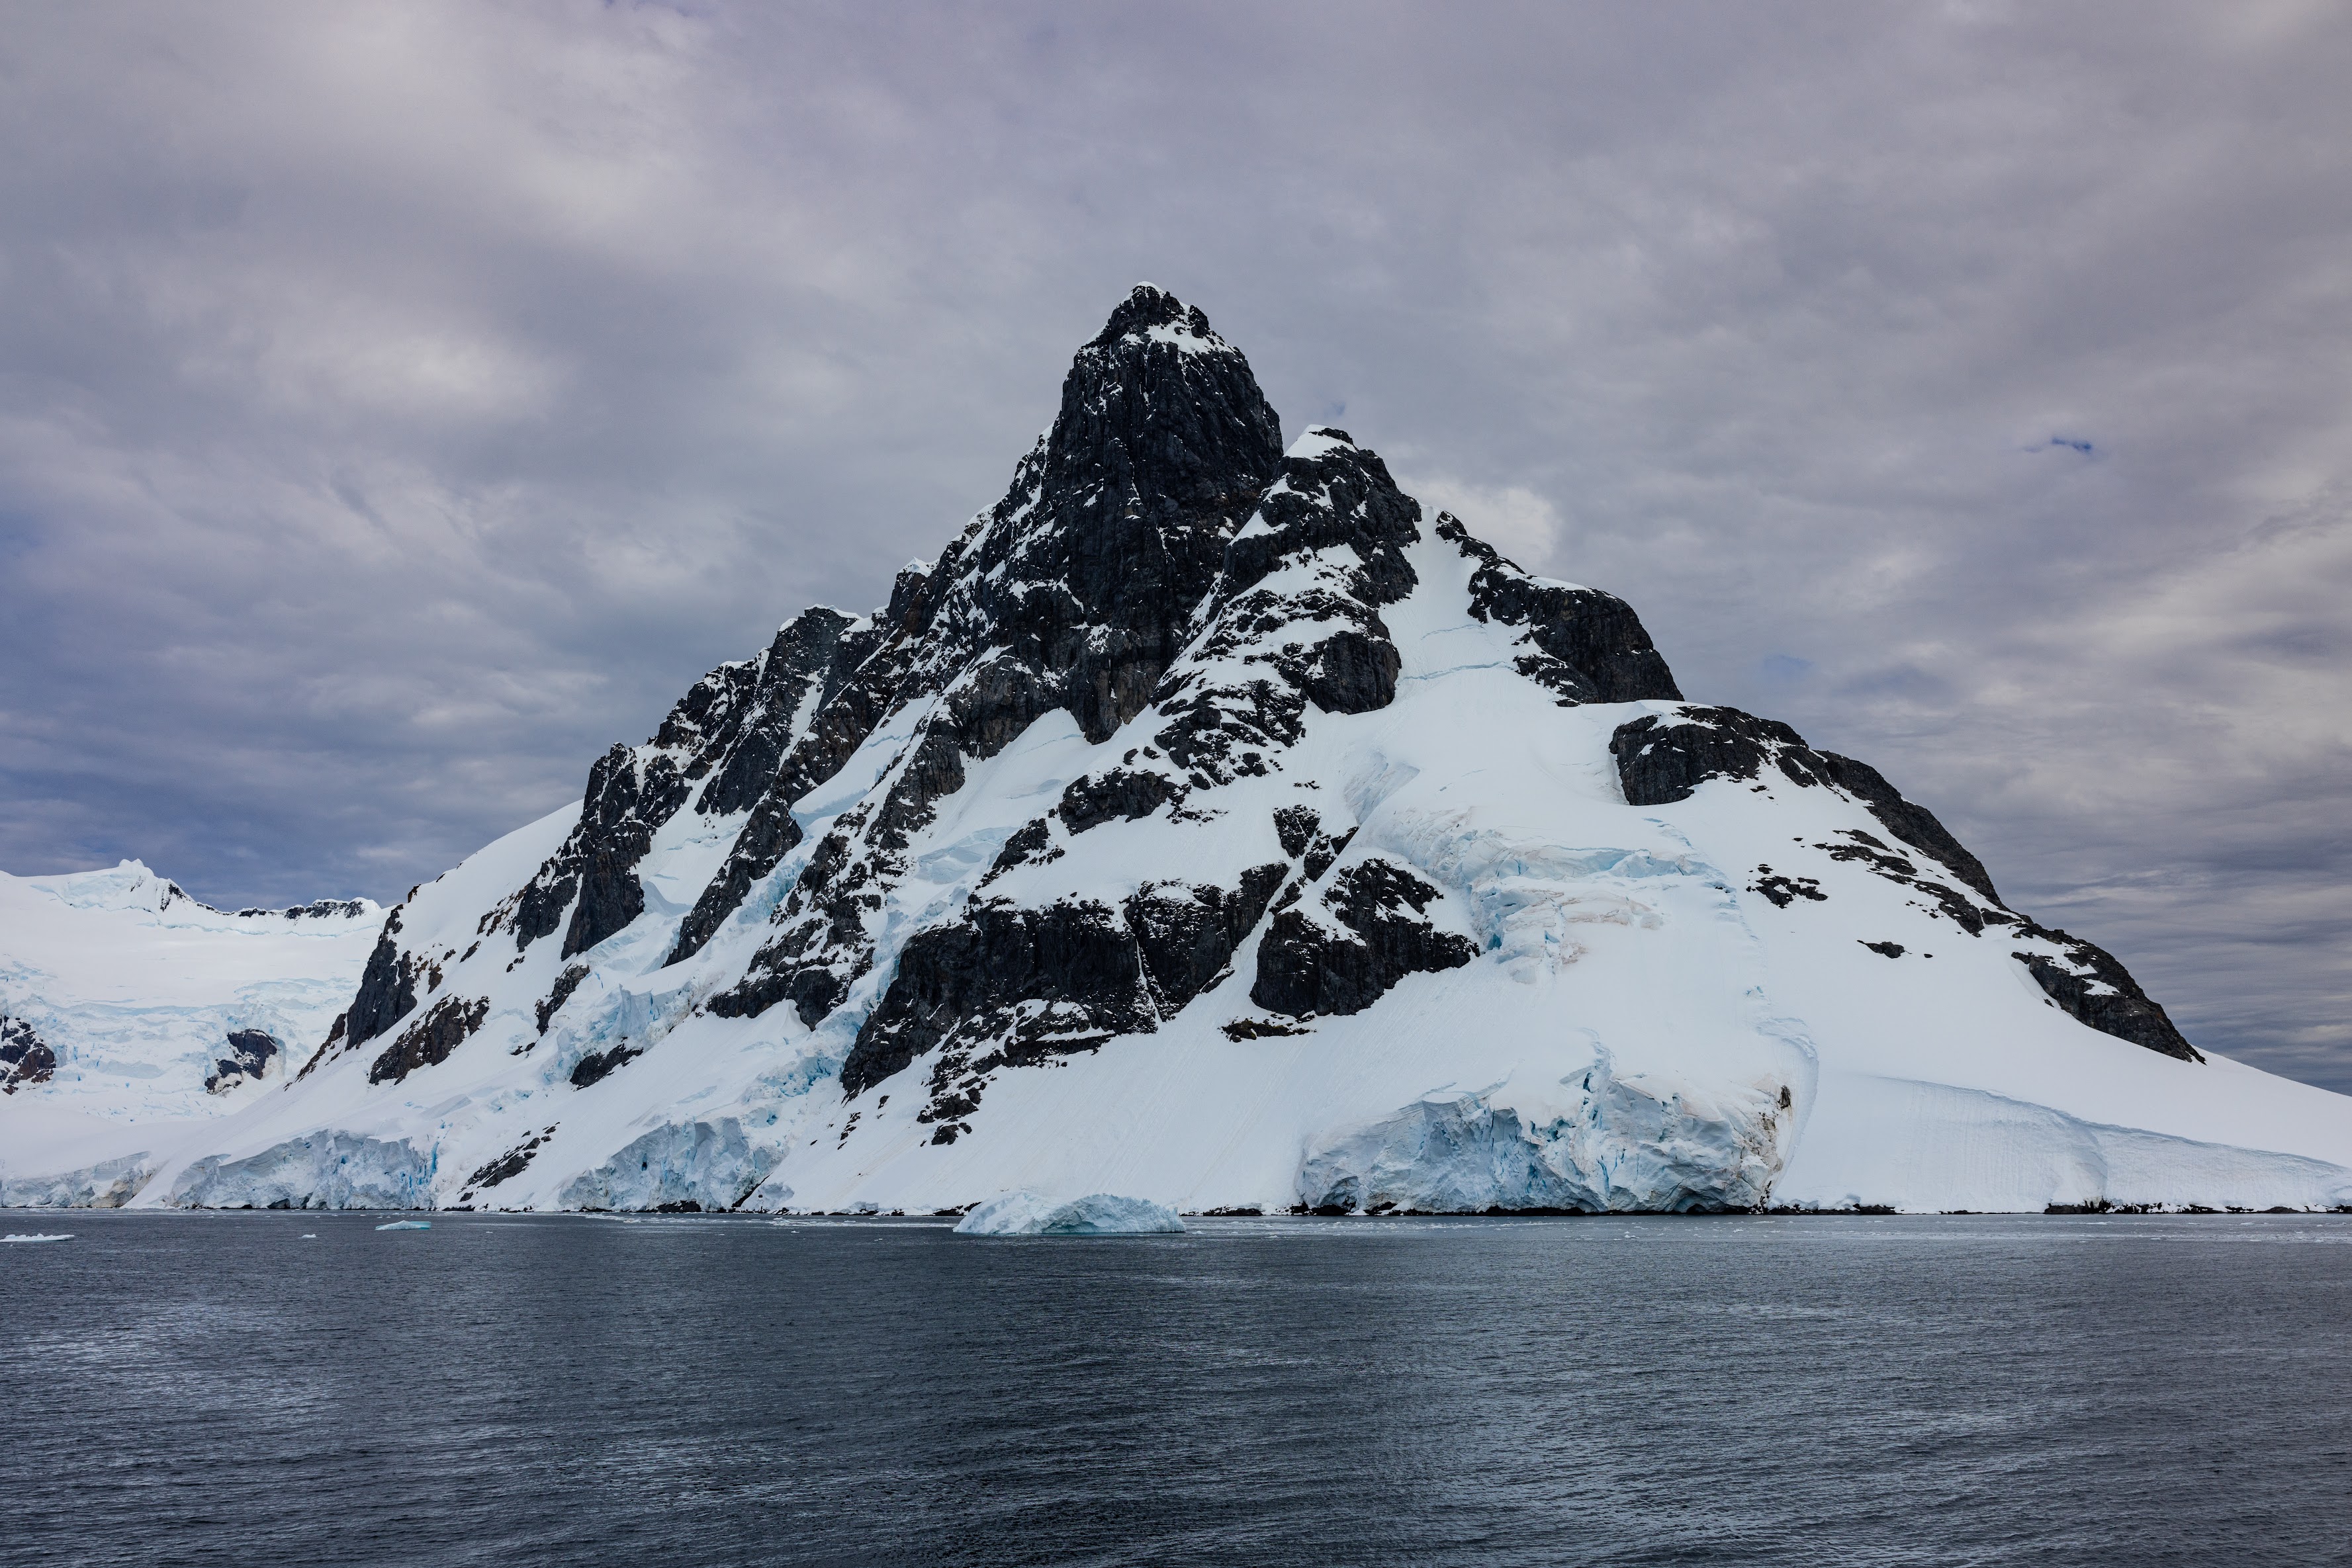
{"x": 1210, "y": 823}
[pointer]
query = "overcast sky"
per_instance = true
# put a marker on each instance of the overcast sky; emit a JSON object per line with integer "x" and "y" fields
{"x": 400, "y": 403}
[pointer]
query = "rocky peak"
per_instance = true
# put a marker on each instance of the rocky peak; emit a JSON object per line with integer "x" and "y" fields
{"x": 1148, "y": 306}
{"x": 1160, "y": 417}
{"x": 1086, "y": 574}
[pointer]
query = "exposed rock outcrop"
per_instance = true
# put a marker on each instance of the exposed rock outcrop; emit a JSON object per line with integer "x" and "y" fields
{"x": 250, "y": 1053}
{"x": 1663, "y": 760}
{"x": 2092, "y": 984}
{"x": 24, "y": 1058}
{"x": 1586, "y": 645}
{"x": 387, "y": 990}
{"x": 1343, "y": 952}
{"x": 1029, "y": 982}
{"x": 430, "y": 1040}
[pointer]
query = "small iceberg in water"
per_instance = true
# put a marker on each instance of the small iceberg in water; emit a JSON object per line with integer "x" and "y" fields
{"x": 407, "y": 1225}
{"x": 64, "y": 1238}
{"x": 1097, "y": 1214}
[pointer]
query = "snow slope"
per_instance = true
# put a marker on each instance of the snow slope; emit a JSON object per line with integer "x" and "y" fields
{"x": 124, "y": 994}
{"x": 1209, "y": 826}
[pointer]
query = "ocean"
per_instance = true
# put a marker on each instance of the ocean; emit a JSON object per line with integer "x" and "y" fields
{"x": 510, "y": 1389}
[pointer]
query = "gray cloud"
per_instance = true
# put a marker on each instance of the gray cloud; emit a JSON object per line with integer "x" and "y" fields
{"x": 399, "y": 404}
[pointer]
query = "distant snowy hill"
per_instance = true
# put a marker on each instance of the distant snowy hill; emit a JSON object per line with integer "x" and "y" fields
{"x": 130, "y": 1012}
{"x": 1210, "y": 825}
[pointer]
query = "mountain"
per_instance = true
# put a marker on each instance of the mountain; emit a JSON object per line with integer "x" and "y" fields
{"x": 1212, "y": 825}
{"x": 132, "y": 1016}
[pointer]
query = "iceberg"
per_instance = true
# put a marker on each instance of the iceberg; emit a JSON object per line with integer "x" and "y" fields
{"x": 1097, "y": 1214}
{"x": 66, "y": 1237}
{"x": 407, "y": 1225}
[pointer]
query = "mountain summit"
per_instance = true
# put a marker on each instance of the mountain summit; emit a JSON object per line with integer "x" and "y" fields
{"x": 1212, "y": 825}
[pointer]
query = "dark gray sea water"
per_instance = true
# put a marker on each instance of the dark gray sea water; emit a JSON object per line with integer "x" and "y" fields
{"x": 217, "y": 1388}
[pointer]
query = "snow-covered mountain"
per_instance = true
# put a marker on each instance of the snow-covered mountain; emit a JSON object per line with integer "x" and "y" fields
{"x": 1212, "y": 825}
{"x": 134, "y": 1017}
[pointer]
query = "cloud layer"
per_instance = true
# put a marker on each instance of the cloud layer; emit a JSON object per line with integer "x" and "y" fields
{"x": 399, "y": 404}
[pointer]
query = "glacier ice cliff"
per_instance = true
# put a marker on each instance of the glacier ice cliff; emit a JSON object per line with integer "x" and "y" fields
{"x": 1618, "y": 1145}
{"x": 1096, "y": 1214}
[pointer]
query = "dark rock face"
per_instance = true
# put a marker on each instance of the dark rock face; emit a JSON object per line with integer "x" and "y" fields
{"x": 539, "y": 908}
{"x": 593, "y": 874}
{"x": 1322, "y": 853}
{"x": 610, "y": 895}
{"x": 2093, "y": 986}
{"x": 1032, "y": 843}
{"x": 1338, "y": 515}
{"x": 250, "y": 1052}
{"x": 1660, "y": 761}
{"x": 1010, "y": 987}
{"x": 387, "y": 990}
{"x": 1950, "y": 902}
{"x": 1048, "y": 981}
{"x": 560, "y": 993}
{"x": 24, "y": 1058}
{"x": 755, "y": 737}
{"x": 1909, "y": 821}
{"x": 758, "y": 849}
{"x": 1785, "y": 890}
{"x": 1160, "y": 448}
{"x": 508, "y": 1165}
{"x": 1372, "y": 935}
{"x": 429, "y": 1040}
{"x": 807, "y": 664}
{"x": 1586, "y": 645}
{"x": 1187, "y": 934}
{"x": 1123, "y": 794}
{"x": 1259, "y": 1029}
{"x": 930, "y": 772}
{"x": 1295, "y": 828}
{"x": 822, "y": 948}
{"x": 327, "y": 1047}
{"x": 1351, "y": 672}
{"x": 848, "y": 699}
{"x": 317, "y": 909}
{"x": 628, "y": 799}
{"x": 598, "y": 1065}
{"x": 988, "y": 708}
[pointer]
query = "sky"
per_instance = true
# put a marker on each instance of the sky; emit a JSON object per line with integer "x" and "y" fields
{"x": 399, "y": 404}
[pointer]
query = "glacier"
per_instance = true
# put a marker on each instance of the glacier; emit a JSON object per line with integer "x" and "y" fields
{"x": 1208, "y": 824}
{"x": 135, "y": 1016}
